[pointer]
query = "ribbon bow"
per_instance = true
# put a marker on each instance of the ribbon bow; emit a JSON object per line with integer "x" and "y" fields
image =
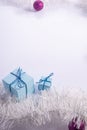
{"x": 20, "y": 83}
{"x": 45, "y": 80}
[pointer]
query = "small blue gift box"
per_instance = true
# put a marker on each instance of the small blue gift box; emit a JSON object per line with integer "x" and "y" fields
{"x": 19, "y": 84}
{"x": 45, "y": 82}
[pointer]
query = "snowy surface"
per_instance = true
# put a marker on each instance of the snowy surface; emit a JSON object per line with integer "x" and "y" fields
{"x": 53, "y": 40}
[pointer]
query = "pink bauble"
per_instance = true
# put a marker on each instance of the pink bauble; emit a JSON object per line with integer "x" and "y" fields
{"x": 38, "y": 5}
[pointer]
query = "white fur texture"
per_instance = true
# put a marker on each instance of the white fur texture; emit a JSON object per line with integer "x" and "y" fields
{"x": 29, "y": 3}
{"x": 42, "y": 108}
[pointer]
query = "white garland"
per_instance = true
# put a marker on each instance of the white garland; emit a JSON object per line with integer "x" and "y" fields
{"x": 29, "y": 3}
{"x": 40, "y": 109}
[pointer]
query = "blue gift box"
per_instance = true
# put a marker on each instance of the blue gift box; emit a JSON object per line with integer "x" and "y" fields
{"x": 19, "y": 84}
{"x": 45, "y": 82}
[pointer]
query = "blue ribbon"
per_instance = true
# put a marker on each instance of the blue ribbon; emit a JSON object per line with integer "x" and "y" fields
{"x": 20, "y": 82}
{"x": 45, "y": 80}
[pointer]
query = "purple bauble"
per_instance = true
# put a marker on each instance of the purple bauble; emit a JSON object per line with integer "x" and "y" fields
{"x": 38, "y": 5}
{"x": 73, "y": 124}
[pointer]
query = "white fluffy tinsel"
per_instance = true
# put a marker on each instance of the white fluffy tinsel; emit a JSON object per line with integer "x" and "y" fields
{"x": 42, "y": 108}
{"x": 29, "y": 3}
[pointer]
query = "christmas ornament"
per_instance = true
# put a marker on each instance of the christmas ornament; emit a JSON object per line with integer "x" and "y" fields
{"x": 38, "y": 5}
{"x": 77, "y": 124}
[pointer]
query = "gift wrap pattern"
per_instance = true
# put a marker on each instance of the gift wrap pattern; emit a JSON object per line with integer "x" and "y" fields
{"x": 19, "y": 84}
{"x": 45, "y": 82}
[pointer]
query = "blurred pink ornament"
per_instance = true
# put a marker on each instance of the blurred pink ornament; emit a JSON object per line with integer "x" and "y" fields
{"x": 75, "y": 125}
{"x": 38, "y": 5}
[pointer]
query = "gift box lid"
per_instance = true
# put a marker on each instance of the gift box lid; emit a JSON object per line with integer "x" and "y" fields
{"x": 10, "y": 77}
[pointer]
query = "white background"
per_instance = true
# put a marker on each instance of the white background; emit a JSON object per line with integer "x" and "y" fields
{"x": 53, "y": 40}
